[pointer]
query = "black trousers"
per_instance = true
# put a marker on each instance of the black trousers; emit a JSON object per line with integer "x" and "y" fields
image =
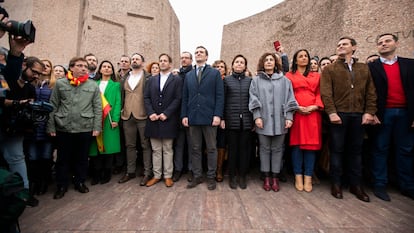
{"x": 238, "y": 142}
{"x": 72, "y": 149}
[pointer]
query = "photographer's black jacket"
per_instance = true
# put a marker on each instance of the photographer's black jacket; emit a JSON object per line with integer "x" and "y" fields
{"x": 11, "y": 118}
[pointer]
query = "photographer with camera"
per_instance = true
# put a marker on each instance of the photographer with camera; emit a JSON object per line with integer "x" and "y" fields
{"x": 18, "y": 74}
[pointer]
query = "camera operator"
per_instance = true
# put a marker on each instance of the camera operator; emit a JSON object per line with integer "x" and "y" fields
{"x": 18, "y": 73}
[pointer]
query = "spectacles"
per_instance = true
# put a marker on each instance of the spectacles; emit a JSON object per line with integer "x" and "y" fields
{"x": 35, "y": 71}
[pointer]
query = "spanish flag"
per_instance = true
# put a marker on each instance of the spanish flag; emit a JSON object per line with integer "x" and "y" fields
{"x": 106, "y": 107}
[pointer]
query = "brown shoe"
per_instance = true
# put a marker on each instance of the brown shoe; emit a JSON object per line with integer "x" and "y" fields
{"x": 152, "y": 182}
{"x": 359, "y": 193}
{"x": 336, "y": 191}
{"x": 144, "y": 180}
{"x": 126, "y": 178}
{"x": 169, "y": 182}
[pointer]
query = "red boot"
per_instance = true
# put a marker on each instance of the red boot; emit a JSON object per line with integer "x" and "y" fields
{"x": 266, "y": 184}
{"x": 275, "y": 184}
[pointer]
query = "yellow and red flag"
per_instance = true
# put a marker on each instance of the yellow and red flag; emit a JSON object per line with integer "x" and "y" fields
{"x": 106, "y": 107}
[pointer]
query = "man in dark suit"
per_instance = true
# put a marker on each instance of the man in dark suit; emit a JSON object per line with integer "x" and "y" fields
{"x": 394, "y": 81}
{"x": 162, "y": 99}
{"x": 201, "y": 111}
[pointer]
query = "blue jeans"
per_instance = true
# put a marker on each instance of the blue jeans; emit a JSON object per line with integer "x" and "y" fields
{"x": 12, "y": 149}
{"x": 37, "y": 150}
{"x": 346, "y": 146}
{"x": 395, "y": 128}
{"x": 305, "y": 158}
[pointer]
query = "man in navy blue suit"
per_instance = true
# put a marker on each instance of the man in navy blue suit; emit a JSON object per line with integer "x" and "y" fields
{"x": 201, "y": 111}
{"x": 394, "y": 81}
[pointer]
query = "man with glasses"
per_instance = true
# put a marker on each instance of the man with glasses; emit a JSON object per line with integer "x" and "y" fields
{"x": 19, "y": 73}
{"x": 76, "y": 118}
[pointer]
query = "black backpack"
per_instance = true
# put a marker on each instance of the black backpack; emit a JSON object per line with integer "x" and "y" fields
{"x": 13, "y": 198}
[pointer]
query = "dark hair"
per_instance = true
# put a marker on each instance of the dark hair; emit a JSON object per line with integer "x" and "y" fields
{"x": 164, "y": 54}
{"x": 295, "y": 63}
{"x": 191, "y": 55}
{"x": 215, "y": 63}
{"x": 395, "y": 37}
{"x": 90, "y": 55}
{"x": 99, "y": 74}
{"x": 124, "y": 55}
{"x": 76, "y": 59}
{"x": 234, "y": 59}
{"x": 323, "y": 58}
{"x": 202, "y": 47}
{"x": 353, "y": 41}
{"x": 31, "y": 61}
{"x": 278, "y": 63}
{"x": 142, "y": 57}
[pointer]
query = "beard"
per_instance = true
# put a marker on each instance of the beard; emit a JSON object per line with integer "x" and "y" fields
{"x": 92, "y": 67}
{"x": 136, "y": 65}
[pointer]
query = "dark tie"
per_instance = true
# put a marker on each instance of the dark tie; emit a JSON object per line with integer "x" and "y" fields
{"x": 200, "y": 72}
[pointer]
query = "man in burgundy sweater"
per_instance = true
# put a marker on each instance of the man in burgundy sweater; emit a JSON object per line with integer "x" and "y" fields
{"x": 394, "y": 81}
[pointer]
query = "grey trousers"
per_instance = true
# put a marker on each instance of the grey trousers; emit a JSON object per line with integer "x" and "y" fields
{"x": 271, "y": 152}
{"x": 134, "y": 128}
{"x": 196, "y": 134}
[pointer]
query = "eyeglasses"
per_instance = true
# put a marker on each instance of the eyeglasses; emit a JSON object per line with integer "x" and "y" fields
{"x": 35, "y": 71}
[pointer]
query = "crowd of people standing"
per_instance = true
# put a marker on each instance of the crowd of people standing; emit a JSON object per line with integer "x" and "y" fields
{"x": 106, "y": 122}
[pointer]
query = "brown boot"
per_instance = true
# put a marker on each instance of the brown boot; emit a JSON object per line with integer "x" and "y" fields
{"x": 299, "y": 182}
{"x": 220, "y": 159}
{"x": 308, "y": 184}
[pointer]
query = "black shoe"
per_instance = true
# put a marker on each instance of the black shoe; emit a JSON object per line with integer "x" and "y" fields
{"x": 211, "y": 183}
{"x": 95, "y": 181}
{"x": 408, "y": 193}
{"x": 190, "y": 178}
{"x": 176, "y": 176}
{"x": 243, "y": 182}
{"x": 381, "y": 193}
{"x": 233, "y": 182}
{"x": 359, "y": 193}
{"x": 194, "y": 182}
{"x": 81, "y": 187}
{"x": 32, "y": 201}
{"x": 127, "y": 177}
{"x": 60, "y": 192}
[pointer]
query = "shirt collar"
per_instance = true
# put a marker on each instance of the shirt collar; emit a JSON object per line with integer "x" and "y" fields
{"x": 389, "y": 62}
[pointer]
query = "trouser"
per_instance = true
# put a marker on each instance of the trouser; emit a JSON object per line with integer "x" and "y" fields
{"x": 346, "y": 144}
{"x": 271, "y": 152}
{"x": 180, "y": 147}
{"x": 303, "y": 158}
{"x": 12, "y": 148}
{"x": 134, "y": 128}
{"x": 196, "y": 134}
{"x": 238, "y": 150}
{"x": 72, "y": 148}
{"x": 162, "y": 157}
{"x": 394, "y": 128}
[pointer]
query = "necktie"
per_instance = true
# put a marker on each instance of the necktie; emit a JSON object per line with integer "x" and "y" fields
{"x": 200, "y": 72}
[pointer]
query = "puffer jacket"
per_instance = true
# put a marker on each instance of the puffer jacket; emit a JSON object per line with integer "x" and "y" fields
{"x": 236, "y": 102}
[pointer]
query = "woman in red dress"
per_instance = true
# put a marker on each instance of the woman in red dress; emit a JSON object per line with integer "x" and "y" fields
{"x": 306, "y": 131}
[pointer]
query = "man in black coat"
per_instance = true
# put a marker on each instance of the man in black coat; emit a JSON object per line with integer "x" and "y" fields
{"x": 394, "y": 81}
{"x": 162, "y": 98}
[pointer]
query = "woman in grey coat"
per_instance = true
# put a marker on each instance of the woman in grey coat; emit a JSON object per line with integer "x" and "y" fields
{"x": 272, "y": 103}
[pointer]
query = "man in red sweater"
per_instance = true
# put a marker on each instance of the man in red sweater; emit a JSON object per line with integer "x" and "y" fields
{"x": 393, "y": 77}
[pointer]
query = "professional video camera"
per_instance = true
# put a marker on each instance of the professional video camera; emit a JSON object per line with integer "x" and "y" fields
{"x": 25, "y": 30}
{"x": 37, "y": 111}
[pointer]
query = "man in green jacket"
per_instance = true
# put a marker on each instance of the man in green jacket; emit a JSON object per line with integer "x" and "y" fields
{"x": 75, "y": 120}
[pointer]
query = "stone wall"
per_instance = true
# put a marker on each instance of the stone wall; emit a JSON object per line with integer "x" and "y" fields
{"x": 317, "y": 25}
{"x": 68, "y": 28}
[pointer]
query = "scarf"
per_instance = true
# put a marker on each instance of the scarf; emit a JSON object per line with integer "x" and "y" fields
{"x": 76, "y": 81}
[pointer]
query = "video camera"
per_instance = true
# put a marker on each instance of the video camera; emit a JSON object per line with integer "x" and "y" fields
{"x": 25, "y": 30}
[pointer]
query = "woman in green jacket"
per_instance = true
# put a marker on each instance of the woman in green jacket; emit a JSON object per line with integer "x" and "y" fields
{"x": 108, "y": 143}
